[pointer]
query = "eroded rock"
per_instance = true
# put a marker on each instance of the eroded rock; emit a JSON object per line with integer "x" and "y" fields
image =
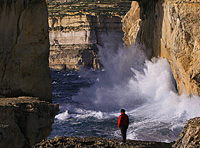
{"x": 99, "y": 142}
{"x": 30, "y": 116}
{"x": 190, "y": 136}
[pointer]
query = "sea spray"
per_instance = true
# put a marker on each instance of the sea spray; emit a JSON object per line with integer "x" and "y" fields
{"x": 112, "y": 91}
{"x": 145, "y": 88}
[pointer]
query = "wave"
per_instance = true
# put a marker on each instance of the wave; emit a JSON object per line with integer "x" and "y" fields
{"x": 145, "y": 88}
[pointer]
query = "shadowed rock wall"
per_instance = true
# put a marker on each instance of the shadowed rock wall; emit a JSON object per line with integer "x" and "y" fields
{"x": 24, "y": 49}
{"x": 24, "y": 71}
{"x": 25, "y": 121}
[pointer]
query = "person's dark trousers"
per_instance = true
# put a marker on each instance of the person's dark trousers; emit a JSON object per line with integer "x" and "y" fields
{"x": 123, "y": 132}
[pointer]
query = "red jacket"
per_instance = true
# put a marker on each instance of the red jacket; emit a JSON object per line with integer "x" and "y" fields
{"x": 123, "y": 120}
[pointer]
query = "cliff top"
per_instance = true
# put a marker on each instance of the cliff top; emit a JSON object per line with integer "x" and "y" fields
{"x": 59, "y": 8}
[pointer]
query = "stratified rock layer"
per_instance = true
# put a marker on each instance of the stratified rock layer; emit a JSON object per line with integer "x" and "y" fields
{"x": 170, "y": 29}
{"x": 190, "y": 136}
{"x": 25, "y": 121}
{"x": 77, "y": 27}
{"x": 24, "y": 49}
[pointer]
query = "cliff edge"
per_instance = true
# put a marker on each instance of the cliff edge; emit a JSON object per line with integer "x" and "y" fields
{"x": 169, "y": 29}
{"x": 25, "y": 121}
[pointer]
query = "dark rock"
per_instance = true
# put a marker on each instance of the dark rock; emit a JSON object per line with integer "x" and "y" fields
{"x": 10, "y": 135}
{"x": 24, "y": 49}
{"x": 96, "y": 142}
{"x": 27, "y": 119}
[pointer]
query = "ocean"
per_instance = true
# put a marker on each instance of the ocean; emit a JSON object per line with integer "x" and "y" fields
{"x": 90, "y": 101}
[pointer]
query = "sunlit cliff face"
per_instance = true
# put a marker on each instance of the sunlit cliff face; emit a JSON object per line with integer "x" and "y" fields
{"x": 76, "y": 27}
{"x": 169, "y": 29}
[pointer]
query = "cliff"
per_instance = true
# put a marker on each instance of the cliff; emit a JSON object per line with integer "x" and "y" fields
{"x": 169, "y": 29}
{"x": 25, "y": 121}
{"x": 77, "y": 27}
{"x": 24, "y": 71}
{"x": 190, "y": 135}
{"x": 24, "y": 49}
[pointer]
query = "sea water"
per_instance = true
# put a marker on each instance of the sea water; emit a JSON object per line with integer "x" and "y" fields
{"x": 90, "y": 100}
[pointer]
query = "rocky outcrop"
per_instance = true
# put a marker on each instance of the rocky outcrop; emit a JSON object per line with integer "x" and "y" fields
{"x": 190, "y": 136}
{"x": 24, "y": 71}
{"x": 77, "y": 27}
{"x": 170, "y": 29}
{"x": 98, "y": 142}
{"x": 24, "y": 49}
{"x": 25, "y": 121}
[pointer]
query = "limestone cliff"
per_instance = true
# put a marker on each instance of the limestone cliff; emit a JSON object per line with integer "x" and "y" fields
{"x": 24, "y": 71}
{"x": 24, "y": 49}
{"x": 76, "y": 27}
{"x": 25, "y": 121}
{"x": 190, "y": 135}
{"x": 170, "y": 29}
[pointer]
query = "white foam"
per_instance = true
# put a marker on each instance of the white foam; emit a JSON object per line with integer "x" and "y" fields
{"x": 54, "y": 82}
{"x": 63, "y": 116}
{"x": 146, "y": 89}
{"x": 79, "y": 113}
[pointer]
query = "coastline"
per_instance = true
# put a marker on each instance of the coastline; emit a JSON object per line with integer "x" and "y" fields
{"x": 69, "y": 142}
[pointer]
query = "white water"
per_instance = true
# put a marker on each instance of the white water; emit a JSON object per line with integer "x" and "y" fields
{"x": 146, "y": 89}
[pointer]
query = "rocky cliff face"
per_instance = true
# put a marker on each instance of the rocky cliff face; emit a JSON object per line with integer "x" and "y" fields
{"x": 24, "y": 71}
{"x": 76, "y": 27}
{"x": 24, "y": 49}
{"x": 169, "y": 29}
{"x": 190, "y": 136}
{"x": 25, "y": 121}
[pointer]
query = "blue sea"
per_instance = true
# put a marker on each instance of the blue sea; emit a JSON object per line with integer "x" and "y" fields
{"x": 90, "y": 101}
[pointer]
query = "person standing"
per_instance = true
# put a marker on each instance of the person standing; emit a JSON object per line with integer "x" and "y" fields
{"x": 123, "y": 123}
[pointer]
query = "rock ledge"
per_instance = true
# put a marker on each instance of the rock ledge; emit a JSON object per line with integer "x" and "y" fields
{"x": 25, "y": 121}
{"x": 93, "y": 142}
